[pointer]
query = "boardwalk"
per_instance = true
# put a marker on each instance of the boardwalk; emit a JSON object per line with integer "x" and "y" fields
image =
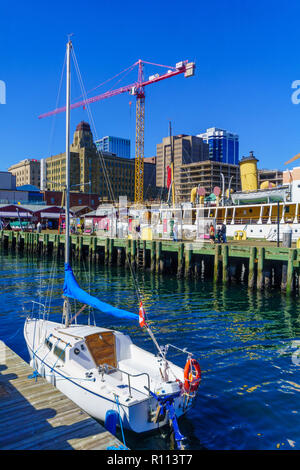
{"x": 34, "y": 415}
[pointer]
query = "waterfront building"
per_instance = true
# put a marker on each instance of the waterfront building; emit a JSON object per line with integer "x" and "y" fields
{"x": 102, "y": 173}
{"x": 117, "y": 145}
{"x": 150, "y": 189}
{"x": 7, "y": 180}
{"x": 76, "y": 199}
{"x": 24, "y": 196}
{"x": 186, "y": 149}
{"x": 26, "y": 172}
{"x": 272, "y": 176}
{"x": 207, "y": 175}
{"x": 223, "y": 145}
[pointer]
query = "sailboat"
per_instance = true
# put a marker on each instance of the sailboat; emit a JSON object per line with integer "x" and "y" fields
{"x": 101, "y": 369}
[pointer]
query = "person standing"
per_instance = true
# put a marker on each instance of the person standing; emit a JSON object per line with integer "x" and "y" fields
{"x": 212, "y": 233}
{"x": 223, "y": 233}
{"x": 175, "y": 232}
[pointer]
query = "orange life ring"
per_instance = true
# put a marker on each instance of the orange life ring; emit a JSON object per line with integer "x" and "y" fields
{"x": 192, "y": 375}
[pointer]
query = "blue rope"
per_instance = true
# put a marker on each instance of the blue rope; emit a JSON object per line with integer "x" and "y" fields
{"x": 121, "y": 424}
{"x": 122, "y": 446}
{"x": 36, "y": 374}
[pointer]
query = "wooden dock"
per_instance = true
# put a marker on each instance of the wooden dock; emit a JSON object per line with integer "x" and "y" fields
{"x": 259, "y": 264}
{"x": 34, "y": 415}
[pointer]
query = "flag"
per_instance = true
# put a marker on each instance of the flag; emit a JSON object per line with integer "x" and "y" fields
{"x": 142, "y": 321}
{"x": 169, "y": 176}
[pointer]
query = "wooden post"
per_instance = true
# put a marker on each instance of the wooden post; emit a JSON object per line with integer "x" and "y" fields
{"x": 106, "y": 252}
{"x": 95, "y": 253}
{"x": 260, "y": 268}
{"x": 225, "y": 264}
{"x": 110, "y": 251}
{"x": 133, "y": 252}
{"x": 188, "y": 259}
{"x": 251, "y": 276}
{"x": 216, "y": 262}
{"x": 127, "y": 252}
{"x": 158, "y": 256}
{"x": 119, "y": 256}
{"x": 180, "y": 259}
{"x": 290, "y": 270}
{"x": 152, "y": 255}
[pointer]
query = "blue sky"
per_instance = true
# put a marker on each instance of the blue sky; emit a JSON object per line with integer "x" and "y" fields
{"x": 246, "y": 53}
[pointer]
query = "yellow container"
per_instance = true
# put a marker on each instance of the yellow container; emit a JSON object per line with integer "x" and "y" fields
{"x": 147, "y": 233}
{"x": 240, "y": 235}
{"x": 248, "y": 172}
{"x": 298, "y": 243}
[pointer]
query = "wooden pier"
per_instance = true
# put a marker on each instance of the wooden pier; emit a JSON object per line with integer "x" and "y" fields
{"x": 34, "y": 415}
{"x": 260, "y": 265}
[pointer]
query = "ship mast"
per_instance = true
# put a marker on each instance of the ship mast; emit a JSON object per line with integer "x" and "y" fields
{"x": 67, "y": 201}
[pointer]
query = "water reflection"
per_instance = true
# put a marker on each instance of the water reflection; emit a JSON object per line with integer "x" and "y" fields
{"x": 249, "y": 393}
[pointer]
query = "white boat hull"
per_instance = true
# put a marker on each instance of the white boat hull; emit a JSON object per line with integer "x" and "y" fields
{"x": 97, "y": 398}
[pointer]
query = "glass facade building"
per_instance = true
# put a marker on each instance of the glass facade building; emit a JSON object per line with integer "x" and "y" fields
{"x": 117, "y": 145}
{"x": 223, "y": 145}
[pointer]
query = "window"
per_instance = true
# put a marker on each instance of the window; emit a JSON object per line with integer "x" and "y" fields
{"x": 59, "y": 353}
{"x": 48, "y": 344}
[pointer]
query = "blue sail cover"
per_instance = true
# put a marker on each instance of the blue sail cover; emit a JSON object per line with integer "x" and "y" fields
{"x": 72, "y": 289}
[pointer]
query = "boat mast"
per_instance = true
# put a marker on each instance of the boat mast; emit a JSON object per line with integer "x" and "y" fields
{"x": 67, "y": 212}
{"x": 67, "y": 201}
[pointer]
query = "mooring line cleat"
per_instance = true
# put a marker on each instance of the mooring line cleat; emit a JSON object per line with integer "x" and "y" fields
{"x": 35, "y": 375}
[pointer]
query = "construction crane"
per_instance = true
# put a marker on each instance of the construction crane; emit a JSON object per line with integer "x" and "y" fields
{"x": 136, "y": 89}
{"x": 293, "y": 159}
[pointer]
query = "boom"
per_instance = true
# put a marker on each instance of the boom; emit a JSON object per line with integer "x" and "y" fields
{"x": 136, "y": 89}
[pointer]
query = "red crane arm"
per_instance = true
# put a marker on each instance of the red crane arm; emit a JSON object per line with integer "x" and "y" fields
{"x": 134, "y": 88}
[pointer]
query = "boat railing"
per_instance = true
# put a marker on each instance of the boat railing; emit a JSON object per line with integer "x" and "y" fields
{"x": 182, "y": 350}
{"x": 40, "y": 313}
{"x": 106, "y": 367}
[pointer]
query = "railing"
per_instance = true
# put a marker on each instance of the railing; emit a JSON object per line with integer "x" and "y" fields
{"x": 105, "y": 367}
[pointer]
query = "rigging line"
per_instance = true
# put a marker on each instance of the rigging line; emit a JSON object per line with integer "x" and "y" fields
{"x": 106, "y": 176}
{"x": 160, "y": 65}
{"x": 109, "y": 79}
{"x": 57, "y": 101}
{"x": 111, "y": 194}
{"x": 51, "y": 283}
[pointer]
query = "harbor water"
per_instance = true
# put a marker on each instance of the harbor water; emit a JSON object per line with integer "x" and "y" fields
{"x": 247, "y": 344}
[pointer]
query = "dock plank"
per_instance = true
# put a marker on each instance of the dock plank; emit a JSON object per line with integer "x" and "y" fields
{"x": 36, "y": 415}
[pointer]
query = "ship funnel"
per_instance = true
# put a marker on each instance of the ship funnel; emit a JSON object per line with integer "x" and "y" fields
{"x": 248, "y": 172}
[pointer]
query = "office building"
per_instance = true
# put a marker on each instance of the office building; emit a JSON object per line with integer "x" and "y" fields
{"x": 26, "y": 172}
{"x": 223, "y": 145}
{"x": 186, "y": 149}
{"x": 105, "y": 173}
{"x": 116, "y": 145}
{"x": 7, "y": 180}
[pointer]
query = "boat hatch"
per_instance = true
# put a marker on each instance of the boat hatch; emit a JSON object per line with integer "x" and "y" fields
{"x": 102, "y": 348}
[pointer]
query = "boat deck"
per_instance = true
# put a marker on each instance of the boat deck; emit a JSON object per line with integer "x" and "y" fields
{"x": 35, "y": 415}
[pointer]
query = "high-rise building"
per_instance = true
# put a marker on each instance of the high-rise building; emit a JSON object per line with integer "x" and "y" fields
{"x": 223, "y": 145}
{"x": 27, "y": 172}
{"x": 117, "y": 145}
{"x": 186, "y": 149}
